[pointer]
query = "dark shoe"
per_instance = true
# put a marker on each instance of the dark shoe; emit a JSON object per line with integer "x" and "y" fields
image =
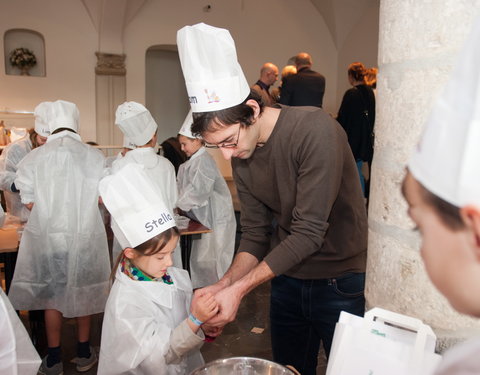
{"x": 85, "y": 364}
{"x": 56, "y": 369}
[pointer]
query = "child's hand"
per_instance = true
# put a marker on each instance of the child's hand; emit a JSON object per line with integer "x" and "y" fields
{"x": 204, "y": 307}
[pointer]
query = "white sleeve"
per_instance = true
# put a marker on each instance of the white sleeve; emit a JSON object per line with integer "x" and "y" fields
{"x": 24, "y": 180}
{"x": 183, "y": 341}
{"x": 198, "y": 189}
{"x": 9, "y": 160}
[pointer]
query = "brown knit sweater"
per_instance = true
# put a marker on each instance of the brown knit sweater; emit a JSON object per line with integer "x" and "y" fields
{"x": 302, "y": 206}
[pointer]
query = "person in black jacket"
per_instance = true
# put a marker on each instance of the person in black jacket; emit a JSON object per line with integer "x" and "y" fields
{"x": 304, "y": 88}
{"x": 357, "y": 117}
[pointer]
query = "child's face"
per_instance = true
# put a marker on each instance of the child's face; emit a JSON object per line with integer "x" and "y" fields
{"x": 155, "y": 265}
{"x": 189, "y": 145}
{"x": 448, "y": 254}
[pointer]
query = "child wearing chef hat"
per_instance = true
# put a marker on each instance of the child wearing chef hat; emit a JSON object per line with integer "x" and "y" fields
{"x": 442, "y": 189}
{"x": 63, "y": 263}
{"x": 204, "y": 195}
{"x": 138, "y": 125}
{"x": 147, "y": 328}
{"x": 14, "y": 153}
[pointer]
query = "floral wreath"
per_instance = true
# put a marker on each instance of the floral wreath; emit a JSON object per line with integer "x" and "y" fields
{"x": 22, "y": 57}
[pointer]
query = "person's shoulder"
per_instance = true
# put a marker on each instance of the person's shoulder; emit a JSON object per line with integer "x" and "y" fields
{"x": 461, "y": 359}
{"x": 298, "y": 124}
{"x": 181, "y": 278}
{"x": 304, "y": 115}
{"x": 19, "y": 145}
{"x": 256, "y": 86}
{"x": 205, "y": 157}
{"x": 164, "y": 162}
{"x": 95, "y": 152}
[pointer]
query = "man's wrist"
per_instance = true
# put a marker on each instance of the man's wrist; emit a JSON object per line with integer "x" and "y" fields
{"x": 224, "y": 282}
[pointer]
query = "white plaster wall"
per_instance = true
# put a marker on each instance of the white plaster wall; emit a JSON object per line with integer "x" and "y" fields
{"x": 417, "y": 46}
{"x": 267, "y": 30}
{"x": 70, "y": 42}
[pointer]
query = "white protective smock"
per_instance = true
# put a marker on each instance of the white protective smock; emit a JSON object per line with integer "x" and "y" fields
{"x": 63, "y": 260}
{"x": 204, "y": 193}
{"x": 17, "y": 353}
{"x": 11, "y": 156}
{"x": 162, "y": 174}
{"x": 462, "y": 359}
{"x": 142, "y": 329}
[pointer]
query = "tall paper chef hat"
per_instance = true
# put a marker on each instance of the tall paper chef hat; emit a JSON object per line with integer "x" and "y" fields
{"x": 42, "y": 114}
{"x": 186, "y": 128}
{"x": 213, "y": 76}
{"x": 63, "y": 115}
{"x": 136, "y": 205}
{"x": 135, "y": 122}
{"x": 447, "y": 158}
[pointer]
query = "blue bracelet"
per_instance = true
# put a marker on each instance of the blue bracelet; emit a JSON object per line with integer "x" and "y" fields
{"x": 195, "y": 320}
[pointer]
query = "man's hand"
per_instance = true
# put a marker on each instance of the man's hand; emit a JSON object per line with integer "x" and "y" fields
{"x": 211, "y": 289}
{"x": 228, "y": 300}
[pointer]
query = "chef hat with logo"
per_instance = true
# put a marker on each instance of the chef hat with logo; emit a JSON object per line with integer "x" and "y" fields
{"x": 186, "y": 129}
{"x": 136, "y": 205}
{"x": 127, "y": 143}
{"x": 213, "y": 76}
{"x": 446, "y": 160}
{"x": 42, "y": 114}
{"x": 63, "y": 115}
{"x": 135, "y": 122}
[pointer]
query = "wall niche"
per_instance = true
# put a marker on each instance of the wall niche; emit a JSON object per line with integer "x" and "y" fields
{"x": 31, "y": 40}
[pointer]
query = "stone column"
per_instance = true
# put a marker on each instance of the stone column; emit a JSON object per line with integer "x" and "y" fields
{"x": 418, "y": 43}
{"x": 110, "y": 90}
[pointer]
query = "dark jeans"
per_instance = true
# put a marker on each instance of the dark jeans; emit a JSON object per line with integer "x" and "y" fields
{"x": 304, "y": 312}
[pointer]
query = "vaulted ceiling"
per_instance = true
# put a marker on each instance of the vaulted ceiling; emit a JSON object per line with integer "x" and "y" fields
{"x": 342, "y": 15}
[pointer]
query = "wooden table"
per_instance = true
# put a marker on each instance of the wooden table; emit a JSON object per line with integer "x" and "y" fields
{"x": 194, "y": 229}
{"x": 8, "y": 252}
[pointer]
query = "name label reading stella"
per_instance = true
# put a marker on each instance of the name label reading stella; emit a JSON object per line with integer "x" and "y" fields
{"x": 163, "y": 219}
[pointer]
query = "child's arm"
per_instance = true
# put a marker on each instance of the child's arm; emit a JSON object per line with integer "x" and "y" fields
{"x": 202, "y": 309}
{"x": 187, "y": 336}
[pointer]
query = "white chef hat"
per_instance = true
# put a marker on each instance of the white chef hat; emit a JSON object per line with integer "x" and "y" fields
{"x": 136, "y": 205}
{"x": 42, "y": 114}
{"x": 446, "y": 160}
{"x": 135, "y": 122}
{"x": 63, "y": 115}
{"x": 186, "y": 129}
{"x": 213, "y": 76}
{"x": 127, "y": 143}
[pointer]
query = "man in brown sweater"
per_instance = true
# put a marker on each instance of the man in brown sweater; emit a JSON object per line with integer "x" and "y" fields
{"x": 293, "y": 167}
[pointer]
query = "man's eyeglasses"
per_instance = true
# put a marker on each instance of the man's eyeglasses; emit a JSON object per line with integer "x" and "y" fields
{"x": 225, "y": 145}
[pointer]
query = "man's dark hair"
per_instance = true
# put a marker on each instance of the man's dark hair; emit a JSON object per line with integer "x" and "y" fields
{"x": 241, "y": 113}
